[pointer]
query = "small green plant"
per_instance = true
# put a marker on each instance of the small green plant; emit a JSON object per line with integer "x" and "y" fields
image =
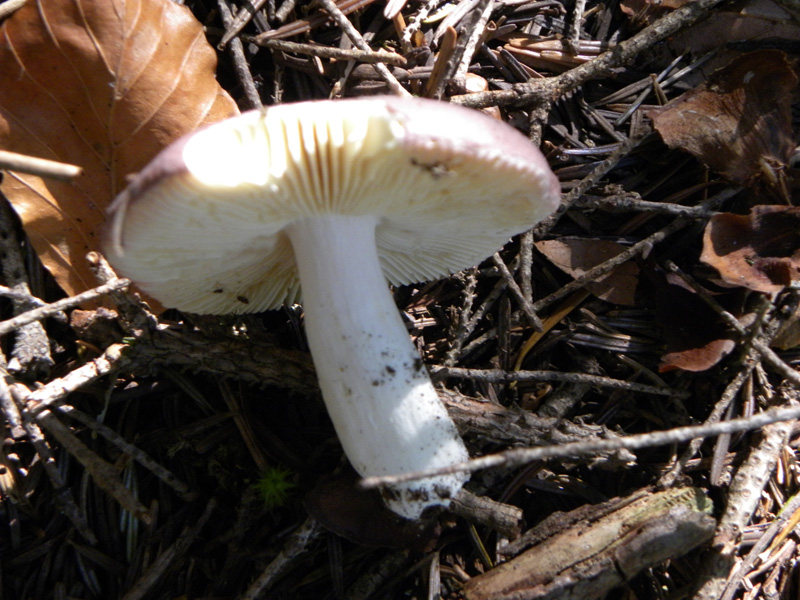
{"x": 274, "y": 486}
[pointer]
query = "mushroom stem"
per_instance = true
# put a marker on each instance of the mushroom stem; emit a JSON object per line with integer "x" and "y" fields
{"x": 386, "y": 412}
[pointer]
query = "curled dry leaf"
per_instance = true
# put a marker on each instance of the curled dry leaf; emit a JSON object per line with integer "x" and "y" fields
{"x": 575, "y": 256}
{"x": 739, "y": 121}
{"x": 102, "y": 84}
{"x": 696, "y": 338}
{"x": 759, "y": 251}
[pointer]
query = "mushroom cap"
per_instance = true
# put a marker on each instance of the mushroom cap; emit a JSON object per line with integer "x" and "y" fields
{"x": 201, "y": 228}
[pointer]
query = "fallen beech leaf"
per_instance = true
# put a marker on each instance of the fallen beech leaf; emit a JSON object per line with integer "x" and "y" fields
{"x": 739, "y": 121}
{"x": 696, "y": 338}
{"x": 575, "y": 256}
{"x": 102, "y": 84}
{"x": 759, "y": 251}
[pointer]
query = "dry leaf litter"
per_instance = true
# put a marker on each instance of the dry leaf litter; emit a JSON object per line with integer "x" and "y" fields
{"x": 152, "y": 454}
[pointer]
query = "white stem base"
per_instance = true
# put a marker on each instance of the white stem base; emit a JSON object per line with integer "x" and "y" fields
{"x": 383, "y": 405}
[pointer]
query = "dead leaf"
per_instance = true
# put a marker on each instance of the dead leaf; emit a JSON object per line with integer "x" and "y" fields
{"x": 575, "y": 256}
{"x": 739, "y": 121}
{"x": 759, "y": 251}
{"x": 745, "y": 21}
{"x": 359, "y": 515}
{"x": 739, "y": 21}
{"x": 696, "y": 337}
{"x": 102, "y": 84}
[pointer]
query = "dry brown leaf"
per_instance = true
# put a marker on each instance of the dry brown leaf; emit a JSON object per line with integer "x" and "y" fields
{"x": 575, "y": 256}
{"x": 696, "y": 338}
{"x": 759, "y": 251}
{"x": 739, "y": 122}
{"x": 738, "y": 21}
{"x": 103, "y": 84}
{"x": 742, "y": 21}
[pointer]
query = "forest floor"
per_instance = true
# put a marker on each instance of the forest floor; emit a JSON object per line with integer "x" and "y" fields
{"x": 191, "y": 457}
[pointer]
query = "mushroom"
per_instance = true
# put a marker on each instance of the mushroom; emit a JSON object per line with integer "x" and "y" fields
{"x": 332, "y": 199}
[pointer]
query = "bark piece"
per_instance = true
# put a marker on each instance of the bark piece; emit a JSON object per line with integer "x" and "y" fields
{"x": 610, "y": 544}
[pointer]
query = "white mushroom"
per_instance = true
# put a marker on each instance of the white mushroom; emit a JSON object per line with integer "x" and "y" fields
{"x": 335, "y": 198}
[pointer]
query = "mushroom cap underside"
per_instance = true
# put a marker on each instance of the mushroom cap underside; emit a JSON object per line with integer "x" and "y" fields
{"x": 201, "y": 228}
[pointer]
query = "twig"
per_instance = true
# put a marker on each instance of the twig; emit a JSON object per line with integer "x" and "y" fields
{"x": 234, "y": 25}
{"x": 500, "y": 376}
{"x": 438, "y": 79}
{"x": 465, "y": 329}
{"x": 585, "y": 184}
{"x": 633, "y": 202}
{"x": 304, "y": 25}
{"x": 742, "y": 500}
{"x": 521, "y": 456}
{"x": 642, "y": 247}
{"x": 236, "y": 50}
{"x": 31, "y": 352}
{"x": 473, "y": 36}
{"x": 416, "y": 21}
{"x": 525, "y": 264}
{"x": 777, "y": 526}
{"x": 351, "y": 32}
{"x": 104, "y": 474}
{"x": 550, "y": 89}
{"x": 34, "y": 405}
{"x": 503, "y": 518}
{"x": 9, "y": 7}
{"x": 175, "y": 552}
{"x": 671, "y": 476}
{"x": 49, "y": 310}
{"x": 55, "y": 391}
{"x": 575, "y": 23}
{"x": 20, "y": 296}
{"x": 295, "y": 546}
{"x": 139, "y": 455}
{"x": 370, "y": 56}
{"x": 767, "y": 353}
{"x": 9, "y": 408}
{"x": 525, "y": 301}
{"x": 41, "y": 167}
{"x": 64, "y": 497}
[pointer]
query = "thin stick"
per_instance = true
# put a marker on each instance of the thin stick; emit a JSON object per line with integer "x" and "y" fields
{"x": 592, "y": 274}
{"x": 370, "y": 56}
{"x": 552, "y": 88}
{"x": 351, "y": 32}
{"x": 475, "y": 36}
{"x": 521, "y": 456}
{"x": 64, "y": 496}
{"x": 41, "y": 167}
{"x": 525, "y": 301}
{"x": 296, "y": 545}
{"x": 501, "y": 376}
{"x": 236, "y": 50}
{"x": 767, "y": 354}
{"x": 234, "y": 25}
{"x": 575, "y": 23}
{"x": 9, "y": 7}
{"x": 315, "y": 20}
{"x": 48, "y": 310}
{"x": 175, "y": 553}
